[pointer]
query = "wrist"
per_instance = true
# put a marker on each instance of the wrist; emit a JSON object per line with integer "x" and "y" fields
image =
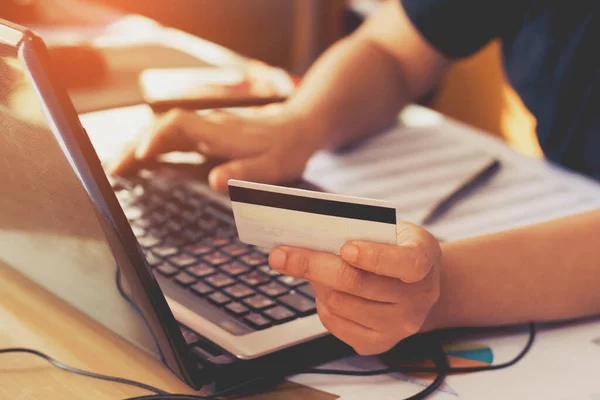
{"x": 312, "y": 128}
{"x": 439, "y": 316}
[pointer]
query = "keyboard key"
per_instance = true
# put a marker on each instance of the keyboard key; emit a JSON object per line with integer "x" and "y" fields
{"x": 306, "y": 290}
{"x": 156, "y": 201}
{"x": 185, "y": 279}
{"x": 194, "y": 235}
{"x": 291, "y": 281}
{"x": 267, "y": 270}
{"x": 254, "y": 259}
{"x": 237, "y": 309}
{"x": 235, "y": 249}
{"x": 216, "y": 258}
{"x": 133, "y": 212}
{"x": 143, "y": 223}
{"x": 273, "y": 289}
{"x": 173, "y": 226}
{"x": 298, "y": 303}
{"x": 254, "y": 278}
{"x": 208, "y": 224}
{"x": 219, "y": 280}
{"x": 148, "y": 241}
{"x": 219, "y": 298}
{"x": 220, "y": 212}
{"x": 239, "y": 291}
{"x": 159, "y": 217}
{"x": 280, "y": 314}
{"x": 176, "y": 240}
{"x": 182, "y": 260}
{"x": 118, "y": 183}
{"x": 167, "y": 269}
{"x": 160, "y": 232}
{"x": 151, "y": 259}
{"x": 257, "y": 321}
{"x": 217, "y": 241}
{"x": 180, "y": 194}
{"x": 234, "y": 268}
{"x": 164, "y": 251}
{"x": 189, "y": 335}
{"x": 138, "y": 231}
{"x": 226, "y": 231}
{"x": 198, "y": 249}
{"x": 200, "y": 270}
{"x": 258, "y": 302}
{"x": 173, "y": 208}
{"x": 201, "y": 288}
{"x": 263, "y": 251}
{"x": 194, "y": 203}
{"x": 189, "y": 216}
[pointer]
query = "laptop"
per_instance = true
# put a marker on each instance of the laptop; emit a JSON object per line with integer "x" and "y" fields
{"x": 154, "y": 256}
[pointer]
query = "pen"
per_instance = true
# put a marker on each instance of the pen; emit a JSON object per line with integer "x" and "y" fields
{"x": 470, "y": 184}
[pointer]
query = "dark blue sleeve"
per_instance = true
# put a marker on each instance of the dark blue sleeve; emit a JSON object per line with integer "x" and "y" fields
{"x": 458, "y": 28}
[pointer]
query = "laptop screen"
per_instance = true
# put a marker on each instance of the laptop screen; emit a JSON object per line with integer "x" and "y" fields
{"x": 50, "y": 230}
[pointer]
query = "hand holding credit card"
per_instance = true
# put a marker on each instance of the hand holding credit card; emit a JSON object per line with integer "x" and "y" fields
{"x": 269, "y": 216}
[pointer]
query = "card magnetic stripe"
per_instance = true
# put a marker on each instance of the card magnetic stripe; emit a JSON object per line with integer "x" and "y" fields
{"x": 332, "y": 208}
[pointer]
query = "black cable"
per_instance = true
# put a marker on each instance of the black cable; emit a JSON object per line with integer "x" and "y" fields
{"x": 442, "y": 369}
{"x": 194, "y": 396}
{"x": 78, "y": 371}
{"x": 129, "y": 300}
{"x": 440, "y": 360}
{"x": 171, "y": 397}
{"x": 406, "y": 369}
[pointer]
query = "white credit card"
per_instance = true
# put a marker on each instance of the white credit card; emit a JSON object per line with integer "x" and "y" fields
{"x": 269, "y": 216}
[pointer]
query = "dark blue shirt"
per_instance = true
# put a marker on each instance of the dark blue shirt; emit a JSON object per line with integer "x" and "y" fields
{"x": 551, "y": 51}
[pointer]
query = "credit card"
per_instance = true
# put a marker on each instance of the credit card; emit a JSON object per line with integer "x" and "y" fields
{"x": 268, "y": 216}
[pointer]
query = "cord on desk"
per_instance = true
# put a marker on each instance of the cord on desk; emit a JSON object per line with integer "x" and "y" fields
{"x": 439, "y": 357}
{"x": 78, "y": 371}
{"x": 410, "y": 369}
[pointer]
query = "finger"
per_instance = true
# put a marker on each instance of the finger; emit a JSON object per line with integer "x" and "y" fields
{"x": 330, "y": 270}
{"x": 372, "y": 314}
{"x": 266, "y": 168}
{"x": 147, "y": 142}
{"x": 169, "y": 133}
{"x": 124, "y": 161}
{"x": 410, "y": 260}
{"x": 217, "y": 133}
{"x": 363, "y": 340}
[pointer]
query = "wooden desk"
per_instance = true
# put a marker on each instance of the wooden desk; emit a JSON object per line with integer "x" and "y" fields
{"x": 33, "y": 318}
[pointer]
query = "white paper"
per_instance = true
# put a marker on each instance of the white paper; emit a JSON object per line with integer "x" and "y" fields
{"x": 418, "y": 162}
{"x": 563, "y": 364}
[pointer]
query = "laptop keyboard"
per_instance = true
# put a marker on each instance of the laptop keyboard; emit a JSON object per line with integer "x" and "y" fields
{"x": 191, "y": 240}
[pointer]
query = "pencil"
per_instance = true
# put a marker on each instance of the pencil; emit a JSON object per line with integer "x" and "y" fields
{"x": 470, "y": 184}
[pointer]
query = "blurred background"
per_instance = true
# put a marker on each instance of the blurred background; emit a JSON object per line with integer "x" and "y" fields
{"x": 290, "y": 34}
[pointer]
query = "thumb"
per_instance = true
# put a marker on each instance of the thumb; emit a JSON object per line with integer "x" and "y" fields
{"x": 266, "y": 168}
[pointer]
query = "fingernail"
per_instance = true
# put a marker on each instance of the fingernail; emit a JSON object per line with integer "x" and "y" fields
{"x": 214, "y": 179}
{"x": 349, "y": 252}
{"x": 277, "y": 259}
{"x": 140, "y": 151}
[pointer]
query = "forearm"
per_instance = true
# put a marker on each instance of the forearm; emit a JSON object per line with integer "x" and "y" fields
{"x": 359, "y": 85}
{"x": 549, "y": 271}
{"x": 354, "y": 89}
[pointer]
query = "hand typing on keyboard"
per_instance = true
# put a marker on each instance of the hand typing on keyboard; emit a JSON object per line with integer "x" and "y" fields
{"x": 373, "y": 295}
{"x": 267, "y": 147}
